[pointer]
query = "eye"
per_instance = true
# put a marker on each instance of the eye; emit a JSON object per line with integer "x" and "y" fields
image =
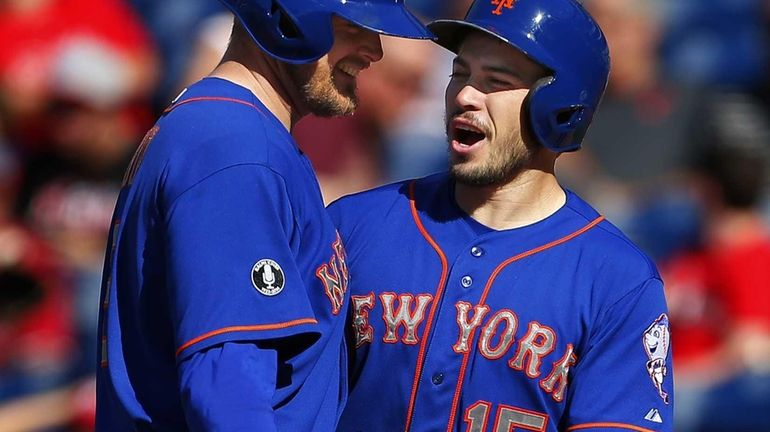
{"x": 501, "y": 84}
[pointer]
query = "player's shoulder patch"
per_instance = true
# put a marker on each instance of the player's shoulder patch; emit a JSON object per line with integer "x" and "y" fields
{"x": 267, "y": 277}
{"x": 656, "y": 341}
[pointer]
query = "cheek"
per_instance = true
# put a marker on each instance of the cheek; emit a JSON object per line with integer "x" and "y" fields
{"x": 450, "y": 95}
{"x": 505, "y": 110}
{"x": 342, "y": 47}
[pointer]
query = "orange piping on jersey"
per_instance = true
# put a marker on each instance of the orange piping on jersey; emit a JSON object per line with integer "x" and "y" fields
{"x": 436, "y": 301}
{"x": 211, "y": 98}
{"x": 483, "y": 299}
{"x": 276, "y": 326}
{"x": 609, "y": 425}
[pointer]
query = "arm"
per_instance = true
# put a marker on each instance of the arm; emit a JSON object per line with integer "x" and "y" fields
{"x": 229, "y": 387}
{"x": 217, "y": 231}
{"x": 624, "y": 376}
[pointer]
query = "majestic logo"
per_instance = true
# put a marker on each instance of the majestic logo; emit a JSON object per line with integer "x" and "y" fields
{"x": 653, "y": 415}
{"x": 656, "y": 343}
{"x": 267, "y": 277}
{"x": 508, "y": 4}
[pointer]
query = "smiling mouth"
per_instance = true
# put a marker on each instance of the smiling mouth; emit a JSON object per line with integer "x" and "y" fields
{"x": 351, "y": 70}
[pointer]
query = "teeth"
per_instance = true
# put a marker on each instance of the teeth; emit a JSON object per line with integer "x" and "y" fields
{"x": 468, "y": 128}
{"x": 349, "y": 70}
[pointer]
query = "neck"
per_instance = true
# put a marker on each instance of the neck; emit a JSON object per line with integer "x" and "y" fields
{"x": 267, "y": 78}
{"x": 531, "y": 196}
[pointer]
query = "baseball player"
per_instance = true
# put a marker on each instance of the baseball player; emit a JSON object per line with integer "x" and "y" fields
{"x": 489, "y": 298}
{"x": 225, "y": 288}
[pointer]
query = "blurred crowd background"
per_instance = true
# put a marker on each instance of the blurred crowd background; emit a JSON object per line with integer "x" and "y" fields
{"x": 677, "y": 157}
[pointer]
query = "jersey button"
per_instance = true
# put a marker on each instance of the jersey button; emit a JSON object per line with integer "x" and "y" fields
{"x": 437, "y": 378}
{"x": 477, "y": 251}
{"x": 466, "y": 281}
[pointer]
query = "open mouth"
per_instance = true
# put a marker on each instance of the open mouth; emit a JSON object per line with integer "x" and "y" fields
{"x": 465, "y": 133}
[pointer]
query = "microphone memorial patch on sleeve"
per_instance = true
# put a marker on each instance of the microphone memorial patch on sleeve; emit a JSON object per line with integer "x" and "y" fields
{"x": 267, "y": 277}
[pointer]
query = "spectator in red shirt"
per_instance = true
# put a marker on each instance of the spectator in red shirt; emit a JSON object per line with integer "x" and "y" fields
{"x": 719, "y": 293}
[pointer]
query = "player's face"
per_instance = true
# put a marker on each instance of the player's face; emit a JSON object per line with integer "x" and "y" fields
{"x": 329, "y": 85}
{"x": 490, "y": 80}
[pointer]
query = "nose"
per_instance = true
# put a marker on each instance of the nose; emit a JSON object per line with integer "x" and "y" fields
{"x": 370, "y": 46}
{"x": 469, "y": 98}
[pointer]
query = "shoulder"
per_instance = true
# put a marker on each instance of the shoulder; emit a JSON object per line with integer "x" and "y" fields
{"x": 376, "y": 204}
{"x": 216, "y": 126}
{"x": 607, "y": 253}
{"x": 223, "y": 120}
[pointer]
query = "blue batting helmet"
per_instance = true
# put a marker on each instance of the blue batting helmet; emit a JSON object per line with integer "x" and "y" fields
{"x": 300, "y": 31}
{"x": 559, "y": 35}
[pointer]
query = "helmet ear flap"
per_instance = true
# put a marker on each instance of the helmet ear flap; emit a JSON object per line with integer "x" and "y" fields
{"x": 557, "y": 125}
{"x": 282, "y": 33}
{"x": 539, "y": 112}
{"x": 569, "y": 118}
{"x": 282, "y": 22}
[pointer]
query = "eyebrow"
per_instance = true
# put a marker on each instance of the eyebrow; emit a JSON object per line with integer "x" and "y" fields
{"x": 492, "y": 68}
{"x": 502, "y": 70}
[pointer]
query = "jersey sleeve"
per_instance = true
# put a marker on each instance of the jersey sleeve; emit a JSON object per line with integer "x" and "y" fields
{"x": 229, "y": 387}
{"x": 624, "y": 380}
{"x": 232, "y": 270}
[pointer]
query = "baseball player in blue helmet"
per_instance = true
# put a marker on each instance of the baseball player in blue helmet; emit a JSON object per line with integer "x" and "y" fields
{"x": 489, "y": 298}
{"x": 224, "y": 295}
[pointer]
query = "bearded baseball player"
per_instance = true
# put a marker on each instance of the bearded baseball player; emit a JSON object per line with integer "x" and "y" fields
{"x": 225, "y": 290}
{"x": 489, "y": 298}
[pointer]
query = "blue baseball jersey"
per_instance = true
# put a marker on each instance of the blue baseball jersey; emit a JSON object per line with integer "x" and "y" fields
{"x": 224, "y": 293}
{"x": 556, "y": 326}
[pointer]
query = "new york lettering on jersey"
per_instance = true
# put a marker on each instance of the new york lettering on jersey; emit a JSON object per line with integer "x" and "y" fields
{"x": 459, "y": 327}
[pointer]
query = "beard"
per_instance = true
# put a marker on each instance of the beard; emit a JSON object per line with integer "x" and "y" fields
{"x": 321, "y": 94}
{"x": 506, "y": 157}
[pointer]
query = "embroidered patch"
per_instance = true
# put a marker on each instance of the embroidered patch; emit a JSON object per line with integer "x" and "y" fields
{"x": 656, "y": 343}
{"x": 267, "y": 277}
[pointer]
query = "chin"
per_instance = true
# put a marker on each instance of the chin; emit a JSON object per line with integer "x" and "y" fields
{"x": 468, "y": 176}
{"x": 322, "y": 96}
{"x": 331, "y": 102}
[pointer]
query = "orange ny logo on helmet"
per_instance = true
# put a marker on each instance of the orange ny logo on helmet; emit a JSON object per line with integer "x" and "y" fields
{"x": 500, "y": 3}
